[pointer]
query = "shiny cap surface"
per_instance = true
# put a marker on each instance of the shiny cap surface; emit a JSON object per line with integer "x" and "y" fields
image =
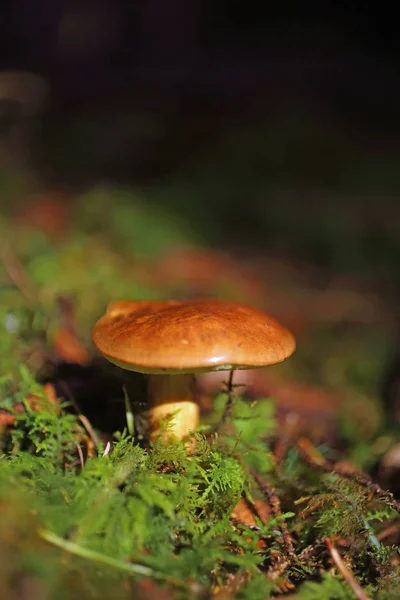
{"x": 190, "y": 336}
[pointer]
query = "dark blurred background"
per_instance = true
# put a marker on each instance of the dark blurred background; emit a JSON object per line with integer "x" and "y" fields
{"x": 281, "y": 120}
{"x": 263, "y": 115}
{"x": 269, "y": 138}
{"x": 199, "y": 56}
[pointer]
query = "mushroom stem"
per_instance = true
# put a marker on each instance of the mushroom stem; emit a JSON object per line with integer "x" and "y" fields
{"x": 171, "y": 394}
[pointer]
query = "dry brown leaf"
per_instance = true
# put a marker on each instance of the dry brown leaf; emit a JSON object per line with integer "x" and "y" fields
{"x": 69, "y": 348}
{"x": 243, "y": 514}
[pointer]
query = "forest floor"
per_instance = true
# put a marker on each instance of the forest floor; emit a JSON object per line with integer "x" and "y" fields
{"x": 297, "y": 495}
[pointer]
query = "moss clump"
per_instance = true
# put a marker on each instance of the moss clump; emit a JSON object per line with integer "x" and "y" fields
{"x": 93, "y": 519}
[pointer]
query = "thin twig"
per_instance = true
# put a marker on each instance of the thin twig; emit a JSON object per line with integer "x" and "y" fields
{"x": 92, "y": 434}
{"x": 308, "y": 552}
{"x": 275, "y": 504}
{"x": 80, "y": 453}
{"x": 388, "y": 532}
{"x": 345, "y": 572}
{"x": 229, "y": 403}
{"x": 359, "y": 478}
{"x": 84, "y": 420}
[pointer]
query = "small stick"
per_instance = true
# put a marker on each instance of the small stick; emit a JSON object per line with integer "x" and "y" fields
{"x": 308, "y": 552}
{"x": 84, "y": 420}
{"x": 345, "y": 572}
{"x": 387, "y": 532}
{"x": 359, "y": 478}
{"x": 87, "y": 425}
{"x": 229, "y": 403}
{"x": 276, "y": 510}
{"x": 81, "y": 460}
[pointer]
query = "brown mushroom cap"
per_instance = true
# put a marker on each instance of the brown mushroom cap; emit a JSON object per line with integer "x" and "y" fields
{"x": 190, "y": 336}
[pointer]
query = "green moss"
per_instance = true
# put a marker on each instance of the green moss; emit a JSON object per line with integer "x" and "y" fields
{"x": 161, "y": 512}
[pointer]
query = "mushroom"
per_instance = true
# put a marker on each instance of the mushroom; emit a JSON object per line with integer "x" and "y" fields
{"x": 173, "y": 340}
